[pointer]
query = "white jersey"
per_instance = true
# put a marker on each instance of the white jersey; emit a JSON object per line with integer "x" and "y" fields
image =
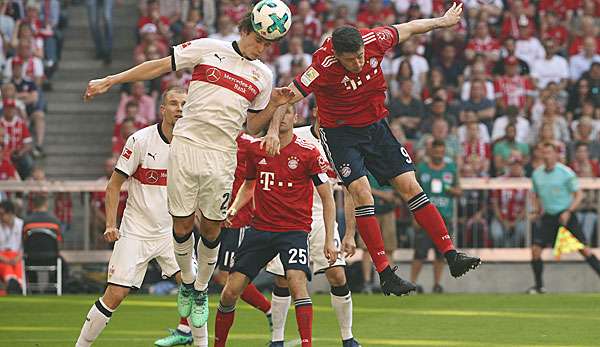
{"x": 306, "y": 134}
{"x": 224, "y": 87}
{"x": 144, "y": 160}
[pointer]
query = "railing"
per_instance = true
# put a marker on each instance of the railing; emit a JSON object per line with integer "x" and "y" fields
{"x": 467, "y": 184}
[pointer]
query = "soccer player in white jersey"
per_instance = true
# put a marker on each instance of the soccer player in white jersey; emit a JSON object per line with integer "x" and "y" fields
{"x": 229, "y": 86}
{"x": 145, "y": 231}
{"x": 341, "y": 298}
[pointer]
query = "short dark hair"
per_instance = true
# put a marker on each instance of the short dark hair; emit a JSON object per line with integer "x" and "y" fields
{"x": 174, "y": 89}
{"x": 549, "y": 144}
{"x": 38, "y": 200}
{"x": 245, "y": 25}
{"x": 580, "y": 144}
{"x": 438, "y": 143}
{"x": 346, "y": 39}
{"x": 7, "y": 206}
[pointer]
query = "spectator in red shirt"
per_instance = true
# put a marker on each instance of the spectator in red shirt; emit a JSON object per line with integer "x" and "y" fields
{"x": 235, "y": 9}
{"x": 588, "y": 29}
{"x": 483, "y": 43}
{"x": 552, "y": 28}
{"x": 125, "y": 130}
{"x": 475, "y": 151}
{"x": 17, "y": 140}
{"x": 564, "y": 9}
{"x": 149, "y": 37}
{"x": 375, "y": 12}
{"x": 8, "y": 172}
{"x": 513, "y": 89}
{"x": 33, "y": 68}
{"x": 510, "y": 220}
{"x": 515, "y": 20}
{"x": 312, "y": 26}
{"x": 147, "y": 105}
{"x": 153, "y": 16}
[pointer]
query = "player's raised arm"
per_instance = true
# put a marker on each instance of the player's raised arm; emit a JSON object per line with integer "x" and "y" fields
{"x": 421, "y": 26}
{"x": 143, "y": 72}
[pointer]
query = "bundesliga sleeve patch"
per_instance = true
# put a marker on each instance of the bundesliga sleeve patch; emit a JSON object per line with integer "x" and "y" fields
{"x": 309, "y": 76}
{"x": 126, "y": 153}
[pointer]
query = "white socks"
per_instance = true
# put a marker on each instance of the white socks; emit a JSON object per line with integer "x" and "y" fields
{"x": 95, "y": 321}
{"x": 280, "y": 304}
{"x": 200, "y": 335}
{"x": 342, "y": 305}
{"x": 208, "y": 254}
{"x": 184, "y": 254}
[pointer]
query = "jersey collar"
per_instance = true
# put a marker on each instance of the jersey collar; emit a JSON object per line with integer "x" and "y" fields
{"x": 160, "y": 132}
{"x": 236, "y": 48}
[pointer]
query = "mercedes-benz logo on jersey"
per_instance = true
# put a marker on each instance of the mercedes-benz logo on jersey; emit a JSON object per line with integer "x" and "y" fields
{"x": 213, "y": 74}
{"x": 152, "y": 176}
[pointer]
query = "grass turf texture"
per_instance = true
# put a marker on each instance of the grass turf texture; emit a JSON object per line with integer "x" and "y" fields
{"x": 424, "y": 320}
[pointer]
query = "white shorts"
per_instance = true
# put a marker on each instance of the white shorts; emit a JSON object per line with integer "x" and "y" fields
{"x": 316, "y": 243}
{"x": 130, "y": 258}
{"x": 199, "y": 179}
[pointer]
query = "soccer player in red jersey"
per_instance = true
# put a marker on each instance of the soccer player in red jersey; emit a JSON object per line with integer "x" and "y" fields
{"x": 347, "y": 81}
{"x": 282, "y": 188}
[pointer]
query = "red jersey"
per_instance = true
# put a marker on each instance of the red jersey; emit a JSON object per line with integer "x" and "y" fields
{"x": 7, "y": 169}
{"x": 478, "y": 150}
{"x": 283, "y": 196}
{"x": 514, "y": 90}
{"x": 16, "y": 133}
{"x": 577, "y": 45}
{"x": 243, "y": 216}
{"x": 487, "y": 44}
{"x": 559, "y": 33}
{"x": 345, "y": 98}
{"x": 510, "y": 202}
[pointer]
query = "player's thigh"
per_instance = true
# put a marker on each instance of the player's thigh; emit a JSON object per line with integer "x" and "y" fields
{"x": 545, "y": 232}
{"x": 341, "y": 147}
{"x": 230, "y": 241}
{"x": 255, "y": 251}
{"x": 297, "y": 282}
{"x": 215, "y": 181}
{"x": 387, "y": 222}
{"x": 182, "y": 178}
{"x": 128, "y": 263}
{"x": 422, "y": 245}
{"x": 316, "y": 244}
{"x": 292, "y": 247}
{"x": 385, "y": 157}
{"x": 165, "y": 256}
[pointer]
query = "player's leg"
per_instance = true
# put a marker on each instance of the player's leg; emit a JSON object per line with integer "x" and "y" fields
{"x": 236, "y": 282}
{"x": 253, "y": 254}
{"x": 544, "y": 234}
{"x": 165, "y": 256}
{"x": 341, "y": 301}
{"x": 280, "y": 302}
{"x": 126, "y": 269}
{"x": 230, "y": 241}
{"x": 182, "y": 191}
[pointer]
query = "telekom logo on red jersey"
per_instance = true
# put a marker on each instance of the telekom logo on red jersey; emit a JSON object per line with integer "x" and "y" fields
{"x": 267, "y": 180}
{"x": 225, "y": 79}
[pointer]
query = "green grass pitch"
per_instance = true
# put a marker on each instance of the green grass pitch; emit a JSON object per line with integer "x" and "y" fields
{"x": 424, "y": 320}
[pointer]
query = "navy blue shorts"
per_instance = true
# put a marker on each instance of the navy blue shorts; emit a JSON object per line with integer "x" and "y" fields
{"x": 259, "y": 247}
{"x": 355, "y": 152}
{"x": 230, "y": 241}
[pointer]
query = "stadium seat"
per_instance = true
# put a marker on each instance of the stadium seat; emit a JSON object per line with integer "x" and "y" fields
{"x": 40, "y": 254}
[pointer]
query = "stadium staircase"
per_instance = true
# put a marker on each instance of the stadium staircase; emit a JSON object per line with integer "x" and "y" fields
{"x": 78, "y": 134}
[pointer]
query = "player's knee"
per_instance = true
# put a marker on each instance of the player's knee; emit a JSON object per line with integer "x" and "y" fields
{"x": 297, "y": 284}
{"x": 114, "y": 295}
{"x": 336, "y": 276}
{"x": 210, "y": 230}
{"x": 281, "y": 282}
{"x": 361, "y": 193}
{"x": 406, "y": 185}
{"x": 229, "y": 296}
{"x": 183, "y": 226}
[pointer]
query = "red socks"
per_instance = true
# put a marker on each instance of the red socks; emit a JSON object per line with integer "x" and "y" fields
{"x": 304, "y": 317}
{"x": 183, "y": 321}
{"x": 370, "y": 232}
{"x": 255, "y": 298}
{"x": 223, "y": 322}
{"x": 429, "y": 218}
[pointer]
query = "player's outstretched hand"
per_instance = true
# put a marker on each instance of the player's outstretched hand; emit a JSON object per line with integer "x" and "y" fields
{"x": 271, "y": 144}
{"x": 348, "y": 246}
{"x": 331, "y": 253}
{"x": 452, "y": 16}
{"x": 281, "y": 96}
{"x": 111, "y": 234}
{"x": 97, "y": 87}
{"x": 231, "y": 212}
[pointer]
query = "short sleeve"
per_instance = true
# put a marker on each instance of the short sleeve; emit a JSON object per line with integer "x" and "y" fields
{"x": 572, "y": 182}
{"x": 130, "y": 157}
{"x": 188, "y": 54}
{"x": 261, "y": 101}
{"x": 316, "y": 163}
{"x": 307, "y": 81}
{"x": 386, "y": 37}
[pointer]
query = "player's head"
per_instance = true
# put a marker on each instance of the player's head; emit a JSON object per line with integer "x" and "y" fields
{"x": 349, "y": 48}
{"x": 171, "y": 106}
{"x": 252, "y": 45}
{"x": 288, "y": 120}
{"x": 438, "y": 151}
{"x": 7, "y": 211}
{"x": 550, "y": 154}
